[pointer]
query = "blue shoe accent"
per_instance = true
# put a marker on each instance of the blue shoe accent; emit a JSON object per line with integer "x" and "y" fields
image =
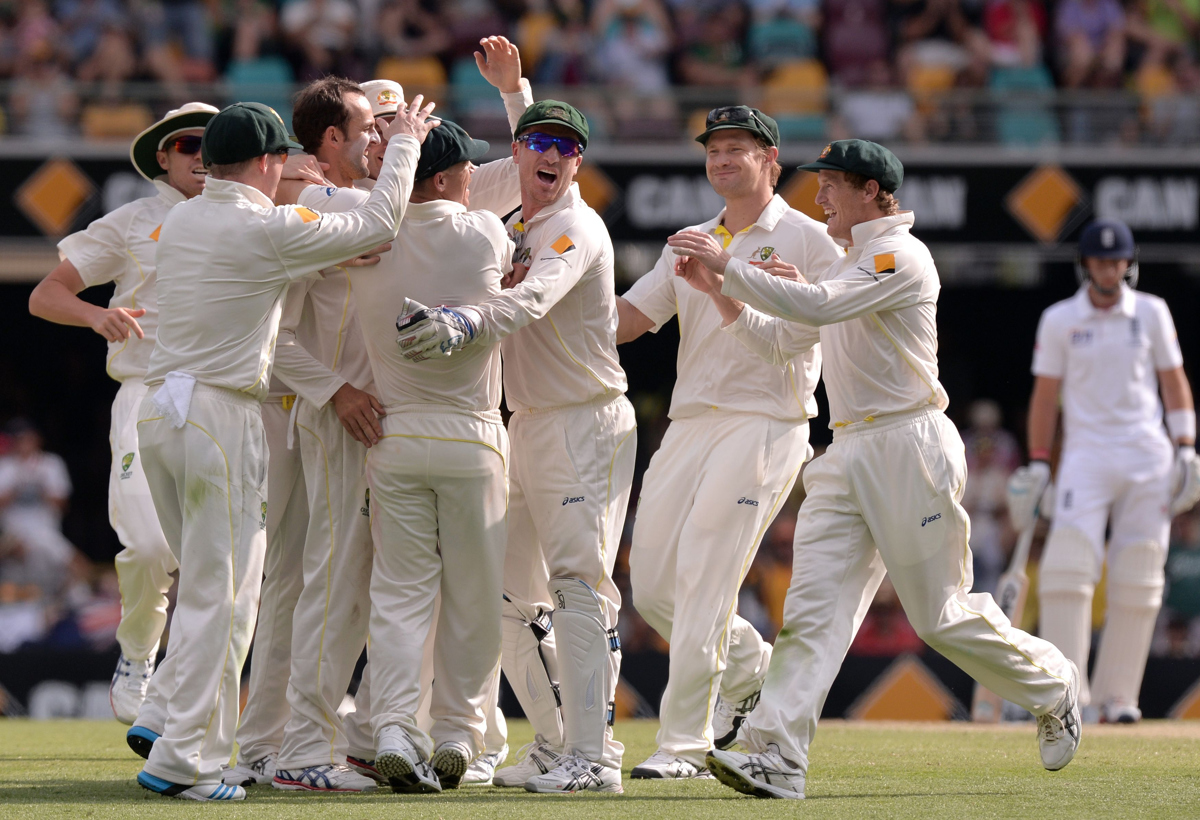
{"x": 159, "y": 786}
{"x": 141, "y": 740}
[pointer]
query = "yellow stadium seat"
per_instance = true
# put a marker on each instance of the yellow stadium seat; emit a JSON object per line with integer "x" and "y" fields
{"x": 105, "y": 120}
{"x": 799, "y": 87}
{"x": 533, "y": 31}
{"x": 423, "y": 75}
{"x": 927, "y": 82}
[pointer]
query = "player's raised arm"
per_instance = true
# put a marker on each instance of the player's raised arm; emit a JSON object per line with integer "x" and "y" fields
{"x": 56, "y": 299}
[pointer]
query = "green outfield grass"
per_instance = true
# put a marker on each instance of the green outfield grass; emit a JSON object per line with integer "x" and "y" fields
{"x": 82, "y": 769}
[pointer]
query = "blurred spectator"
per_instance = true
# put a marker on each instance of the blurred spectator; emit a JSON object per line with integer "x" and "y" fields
{"x": 886, "y": 632}
{"x": 937, "y": 33}
{"x": 879, "y": 111}
{"x": 855, "y": 37}
{"x": 985, "y": 419}
{"x": 771, "y": 573}
{"x": 1178, "y": 633}
{"x": 992, "y": 455}
{"x": 783, "y": 31}
{"x": 406, "y": 29}
{"x": 566, "y": 47}
{"x": 1163, "y": 29}
{"x": 1016, "y": 31}
{"x": 469, "y": 22}
{"x": 35, "y": 27}
{"x": 716, "y": 56}
{"x": 321, "y": 32}
{"x": 34, "y": 484}
{"x": 1091, "y": 41}
{"x": 112, "y": 62}
{"x": 177, "y": 39}
{"x": 84, "y": 22}
{"x": 633, "y": 39}
{"x": 256, "y": 67}
{"x": 42, "y": 102}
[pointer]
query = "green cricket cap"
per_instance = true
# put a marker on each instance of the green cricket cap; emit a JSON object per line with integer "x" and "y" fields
{"x": 553, "y": 112}
{"x": 243, "y": 131}
{"x": 446, "y": 146}
{"x": 743, "y": 117}
{"x": 864, "y": 157}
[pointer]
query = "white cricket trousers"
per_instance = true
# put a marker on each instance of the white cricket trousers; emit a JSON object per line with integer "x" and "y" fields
{"x": 145, "y": 563}
{"x": 330, "y": 627}
{"x": 209, "y": 481}
{"x": 711, "y": 491}
{"x": 438, "y": 488}
{"x": 260, "y": 732}
{"x": 885, "y": 498}
{"x": 569, "y": 486}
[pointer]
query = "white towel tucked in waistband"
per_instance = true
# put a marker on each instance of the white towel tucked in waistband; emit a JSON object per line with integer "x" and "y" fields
{"x": 174, "y": 398}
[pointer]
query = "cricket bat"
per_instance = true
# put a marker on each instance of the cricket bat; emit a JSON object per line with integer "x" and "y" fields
{"x": 1010, "y": 597}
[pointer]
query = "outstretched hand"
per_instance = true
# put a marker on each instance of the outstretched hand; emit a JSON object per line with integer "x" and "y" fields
{"x": 500, "y": 63}
{"x": 702, "y": 246}
{"x": 414, "y": 121}
{"x": 697, "y": 275}
{"x": 777, "y": 267}
{"x": 305, "y": 168}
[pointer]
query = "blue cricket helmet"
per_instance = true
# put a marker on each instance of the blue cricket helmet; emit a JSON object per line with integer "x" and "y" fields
{"x": 1107, "y": 239}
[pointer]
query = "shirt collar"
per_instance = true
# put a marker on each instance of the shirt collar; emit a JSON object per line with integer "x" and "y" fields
{"x": 767, "y": 220}
{"x": 435, "y": 209}
{"x": 1127, "y": 306}
{"x": 567, "y": 200}
{"x": 864, "y": 232}
{"x": 227, "y": 190}
{"x": 168, "y": 192}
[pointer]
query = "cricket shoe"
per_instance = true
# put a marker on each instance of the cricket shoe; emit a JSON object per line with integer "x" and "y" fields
{"x": 729, "y": 716}
{"x": 204, "y": 793}
{"x": 1058, "y": 730}
{"x": 406, "y": 769}
{"x": 259, "y": 772}
{"x": 767, "y": 774}
{"x": 1119, "y": 710}
{"x": 141, "y": 740}
{"x": 534, "y": 758}
{"x": 450, "y": 761}
{"x": 665, "y": 766}
{"x": 483, "y": 768}
{"x": 576, "y": 774}
{"x": 128, "y": 688}
{"x": 328, "y": 777}
{"x": 365, "y": 767}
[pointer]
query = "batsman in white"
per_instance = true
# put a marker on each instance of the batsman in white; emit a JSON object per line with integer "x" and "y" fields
{"x": 225, "y": 260}
{"x": 119, "y": 248}
{"x": 573, "y": 440}
{"x": 737, "y": 439}
{"x": 1107, "y": 352}
{"x": 885, "y": 495}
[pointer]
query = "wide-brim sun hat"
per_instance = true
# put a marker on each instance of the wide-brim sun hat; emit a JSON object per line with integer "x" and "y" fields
{"x": 146, "y": 145}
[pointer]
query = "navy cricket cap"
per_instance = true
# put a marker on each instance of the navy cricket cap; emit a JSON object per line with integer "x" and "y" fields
{"x": 1107, "y": 239}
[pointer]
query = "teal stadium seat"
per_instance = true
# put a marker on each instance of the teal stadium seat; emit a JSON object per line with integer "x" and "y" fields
{"x": 1024, "y": 112}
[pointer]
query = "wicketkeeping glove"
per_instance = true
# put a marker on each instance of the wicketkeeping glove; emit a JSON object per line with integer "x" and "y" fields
{"x": 1186, "y": 487}
{"x": 426, "y": 332}
{"x": 1027, "y": 494}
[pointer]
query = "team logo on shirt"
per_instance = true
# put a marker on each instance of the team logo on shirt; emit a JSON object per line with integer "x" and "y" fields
{"x": 126, "y": 463}
{"x": 1081, "y": 336}
{"x": 763, "y": 253}
{"x": 521, "y": 253}
{"x": 263, "y": 523}
{"x": 308, "y": 216}
{"x": 154, "y": 234}
{"x": 562, "y": 245}
{"x": 365, "y": 509}
{"x": 885, "y": 263}
{"x": 1135, "y": 332}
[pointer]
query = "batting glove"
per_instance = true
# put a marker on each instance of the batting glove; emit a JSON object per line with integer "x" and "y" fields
{"x": 1187, "y": 480}
{"x": 426, "y": 332}
{"x": 1027, "y": 490}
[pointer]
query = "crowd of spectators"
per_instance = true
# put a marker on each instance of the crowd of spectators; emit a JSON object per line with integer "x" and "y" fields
{"x": 880, "y": 68}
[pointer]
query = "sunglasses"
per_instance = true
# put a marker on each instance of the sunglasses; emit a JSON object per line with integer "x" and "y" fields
{"x": 189, "y": 144}
{"x": 736, "y": 114}
{"x": 567, "y": 147}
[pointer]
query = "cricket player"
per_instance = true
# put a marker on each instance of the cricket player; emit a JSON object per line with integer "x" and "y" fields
{"x": 573, "y": 438}
{"x": 224, "y": 262}
{"x": 1107, "y": 352}
{"x": 119, "y": 248}
{"x": 885, "y": 496}
{"x": 730, "y": 457}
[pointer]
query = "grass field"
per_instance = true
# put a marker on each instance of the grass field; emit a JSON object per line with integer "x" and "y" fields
{"x": 82, "y": 769}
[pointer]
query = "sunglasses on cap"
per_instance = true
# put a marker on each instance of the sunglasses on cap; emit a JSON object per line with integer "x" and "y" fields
{"x": 736, "y": 114}
{"x": 567, "y": 147}
{"x": 187, "y": 144}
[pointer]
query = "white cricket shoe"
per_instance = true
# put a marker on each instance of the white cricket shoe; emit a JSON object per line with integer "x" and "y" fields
{"x": 204, "y": 793}
{"x": 406, "y": 769}
{"x": 534, "y": 758}
{"x": 1119, "y": 710}
{"x": 450, "y": 761}
{"x": 728, "y": 717}
{"x": 767, "y": 774}
{"x": 328, "y": 777}
{"x": 1058, "y": 730}
{"x": 482, "y": 768}
{"x": 666, "y": 766}
{"x": 576, "y": 774}
{"x": 365, "y": 767}
{"x": 261, "y": 771}
{"x": 128, "y": 688}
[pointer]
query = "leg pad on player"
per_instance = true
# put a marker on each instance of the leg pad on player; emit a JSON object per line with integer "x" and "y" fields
{"x": 1136, "y": 576}
{"x": 1135, "y": 587}
{"x": 1066, "y": 581}
{"x": 528, "y": 658}
{"x": 1068, "y": 562}
{"x": 589, "y": 657}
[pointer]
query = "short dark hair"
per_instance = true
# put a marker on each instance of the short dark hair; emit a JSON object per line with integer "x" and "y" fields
{"x": 886, "y": 200}
{"x": 320, "y": 104}
{"x": 776, "y": 168}
{"x": 231, "y": 170}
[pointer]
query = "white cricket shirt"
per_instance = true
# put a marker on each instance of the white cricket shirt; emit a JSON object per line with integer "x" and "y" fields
{"x": 443, "y": 255}
{"x": 722, "y": 369}
{"x": 877, "y": 310}
{"x": 1108, "y": 361}
{"x": 226, "y": 258}
{"x": 559, "y": 325}
{"x": 119, "y": 248}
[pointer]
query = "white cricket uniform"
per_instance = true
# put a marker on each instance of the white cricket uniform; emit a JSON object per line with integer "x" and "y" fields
{"x": 574, "y": 441}
{"x": 225, "y": 260}
{"x": 119, "y": 248}
{"x": 1116, "y": 465}
{"x": 438, "y": 480}
{"x": 885, "y": 495}
{"x": 729, "y": 459}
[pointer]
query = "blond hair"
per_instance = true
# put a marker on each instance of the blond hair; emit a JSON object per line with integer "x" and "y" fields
{"x": 886, "y": 200}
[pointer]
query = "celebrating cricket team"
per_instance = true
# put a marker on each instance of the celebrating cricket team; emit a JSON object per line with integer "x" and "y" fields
{"x": 313, "y": 334}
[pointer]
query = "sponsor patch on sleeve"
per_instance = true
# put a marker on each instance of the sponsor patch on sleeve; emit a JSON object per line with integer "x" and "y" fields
{"x": 312, "y": 216}
{"x": 885, "y": 263}
{"x": 563, "y": 244}
{"x": 154, "y": 234}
